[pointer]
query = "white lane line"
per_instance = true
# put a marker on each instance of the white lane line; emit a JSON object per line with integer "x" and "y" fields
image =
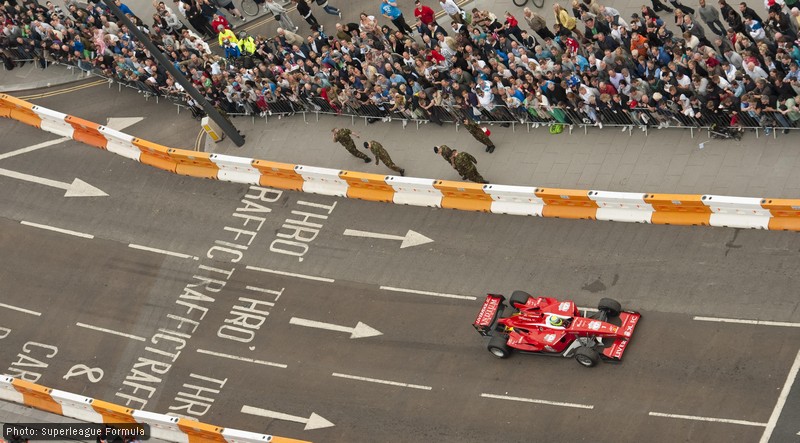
{"x": 534, "y": 400}
{"x": 749, "y": 322}
{"x": 291, "y": 274}
{"x": 776, "y": 413}
{"x": 711, "y": 419}
{"x": 249, "y": 360}
{"x": 383, "y": 382}
{"x": 34, "y": 147}
{"x": 53, "y": 228}
{"x": 161, "y": 251}
{"x": 111, "y": 331}
{"x": 435, "y": 294}
{"x": 15, "y": 308}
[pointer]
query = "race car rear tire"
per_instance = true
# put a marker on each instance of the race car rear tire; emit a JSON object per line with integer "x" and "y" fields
{"x": 498, "y": 346}
{"x": 520, "y": 297}
{"x": 586, "y": 356}
{"x": 611, "y": 306}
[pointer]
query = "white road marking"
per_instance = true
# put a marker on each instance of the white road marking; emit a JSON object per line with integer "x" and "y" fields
{"x": 313, "y": 422}
{"x": 383, "y": 382}
{"x": 360, "y": 331}
{"x": 711, "y": 419}
{"x": 33, "y": 148}
{"x": 249, "y": 360}
{"x": 161, "y": 251}
{"x": 15, "y": 308}
{"x": 53, "y": 228}
{"x": 435, "y": 294}
{"x": 111, "y": 331}
{"x": 291, "y": 274}
{"x": 543, "y": 402}
{"x": 749, "y": 322}
{"x": 776, "y": 413}
{"x": 412, "y": 238}
{"x": 78, "y": 187}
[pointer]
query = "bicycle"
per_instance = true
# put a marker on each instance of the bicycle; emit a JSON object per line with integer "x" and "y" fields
{"x": 538, "y": 3}
{"x": 250, "y": 7}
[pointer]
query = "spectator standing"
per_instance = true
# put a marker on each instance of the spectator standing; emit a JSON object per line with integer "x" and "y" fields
{"x": 281, "y": 14}
{"x": 332, "y": 10}
{"x": 390, "y": 10}
{"x": 537, "y": 23}
{"x": 228, "y": 4}
{"x": 424, "y": 13}
{"x": 451, "y": 8}
{"x": 305, "y": 11}
{"x": 710, "y": 16}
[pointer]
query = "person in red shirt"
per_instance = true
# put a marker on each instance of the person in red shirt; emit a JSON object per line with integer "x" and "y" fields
{"x": 424, "y": 13}
{"x": 511, "y": 27}
{"x": 219, "y": 19}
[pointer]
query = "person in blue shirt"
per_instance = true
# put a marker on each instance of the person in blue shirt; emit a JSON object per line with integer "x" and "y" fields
{"x": 390, "y": 10}
{"x": 124, "y": 8}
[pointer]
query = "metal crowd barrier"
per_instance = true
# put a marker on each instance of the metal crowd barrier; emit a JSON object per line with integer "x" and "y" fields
{"x": 666, "y": 116}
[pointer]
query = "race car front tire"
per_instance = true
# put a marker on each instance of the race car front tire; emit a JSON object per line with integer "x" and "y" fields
{"x": 587, "y": 356}
{"x": 611, "y": 306}
{"x": 498, "y": 346}
{"x": 520, "y": 297}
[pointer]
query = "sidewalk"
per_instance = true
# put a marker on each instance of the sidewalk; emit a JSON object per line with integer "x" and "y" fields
{"x": 30, "y": 76}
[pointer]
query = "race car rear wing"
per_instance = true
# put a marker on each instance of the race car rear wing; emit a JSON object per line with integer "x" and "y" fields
{"x": 492, "y": 306}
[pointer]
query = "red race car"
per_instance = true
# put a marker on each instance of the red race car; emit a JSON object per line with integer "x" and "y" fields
{"x": 544, "y": 325}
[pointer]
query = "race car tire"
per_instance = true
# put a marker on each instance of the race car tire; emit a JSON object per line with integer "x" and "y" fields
{"x": 586, "y": 356}
{"x": 498, "y": 346}
{"x": 611, "y": 306}
{"x": 520, "y": 297}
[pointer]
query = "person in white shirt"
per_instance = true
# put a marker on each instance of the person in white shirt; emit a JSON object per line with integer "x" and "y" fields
{"x": 755, "y": 72}
{"x": 451, "y": 8}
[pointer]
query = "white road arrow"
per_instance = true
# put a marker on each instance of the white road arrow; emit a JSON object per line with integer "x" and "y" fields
{"x": 78, "y": 187}
{"x": 412, "y": 238}
{"x": 113, "y": 122}
{"x": 360, "y": 331}
{"x": 120, "y": 123}
{"x": 313, "y": 422}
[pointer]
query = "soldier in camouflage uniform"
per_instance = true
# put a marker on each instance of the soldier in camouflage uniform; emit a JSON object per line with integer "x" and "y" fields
{"x": 463, "y": 162}
{"x": 382, "y": 156}
{"x": 479, "y": 135}
{"x": 342, "y": 136}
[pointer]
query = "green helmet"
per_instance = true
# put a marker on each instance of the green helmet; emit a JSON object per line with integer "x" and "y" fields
{"x": 555, "y": 320}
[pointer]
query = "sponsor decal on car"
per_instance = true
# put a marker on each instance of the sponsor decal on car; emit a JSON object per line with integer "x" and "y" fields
{"x": 595, "y": 325}
{"x": 550, "y": 337}
{"x": 620, "y": 349}
{"x": 488, "y": 310}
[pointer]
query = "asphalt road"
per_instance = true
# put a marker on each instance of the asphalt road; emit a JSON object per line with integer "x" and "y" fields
{"x": 427, "y": 377}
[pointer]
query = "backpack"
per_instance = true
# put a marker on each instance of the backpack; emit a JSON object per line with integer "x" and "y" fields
{"x": 556, "y": 129}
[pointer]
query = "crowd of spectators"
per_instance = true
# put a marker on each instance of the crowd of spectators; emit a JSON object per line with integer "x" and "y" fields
{"x": 584, "y": 65}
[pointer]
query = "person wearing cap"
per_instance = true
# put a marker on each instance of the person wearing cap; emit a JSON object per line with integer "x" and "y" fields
{"x": 382, "y": 156}
{"x": 342, "y": 136}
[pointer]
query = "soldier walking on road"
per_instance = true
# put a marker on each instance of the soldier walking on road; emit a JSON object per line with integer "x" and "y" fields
{"x": 479, "y": 135}
{"x": 342, "y": 136}
{"x": 463, "y": 162}
{"x": 382, "y": 156}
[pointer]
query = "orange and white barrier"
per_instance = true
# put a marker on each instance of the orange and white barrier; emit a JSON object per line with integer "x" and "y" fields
{"x": 162, "y": 427}
{"x": 666, "y": 209}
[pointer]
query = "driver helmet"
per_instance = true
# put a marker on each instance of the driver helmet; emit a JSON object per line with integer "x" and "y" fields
{"x": 555, "y": 320}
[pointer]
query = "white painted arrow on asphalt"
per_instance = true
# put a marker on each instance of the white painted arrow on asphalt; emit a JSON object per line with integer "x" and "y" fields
{"x": 360, "y": 331}
{"x": 313, "y": 422}
{"x": 114, "y": 123}
{"x": 412, "y": 238}
{"x": 78, "y": 187}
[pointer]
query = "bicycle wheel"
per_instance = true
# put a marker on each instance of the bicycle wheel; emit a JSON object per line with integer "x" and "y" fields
{"x": 520, "y": 3}
{"x": 538, "y": 3}
{"x": 250, "y": 7}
